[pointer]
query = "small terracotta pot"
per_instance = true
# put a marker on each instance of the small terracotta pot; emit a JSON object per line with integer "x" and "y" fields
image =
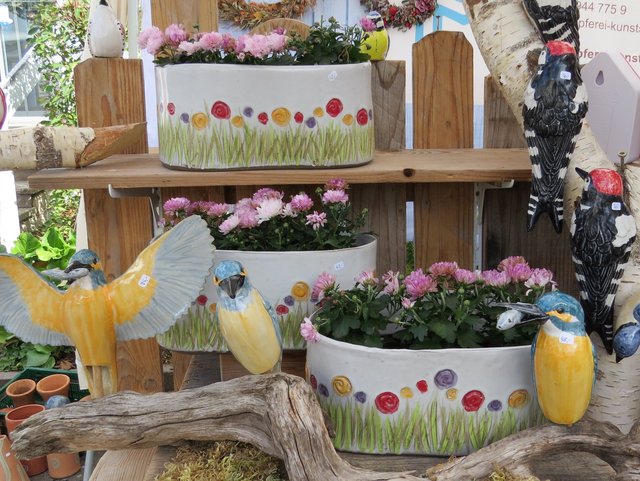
{"x": 12, "y": 420}
{"x": 10, "y": 467}
{"x": 55, "y": 384}
{"x": 22, "y": 392}
{"x": 63, "y": 465}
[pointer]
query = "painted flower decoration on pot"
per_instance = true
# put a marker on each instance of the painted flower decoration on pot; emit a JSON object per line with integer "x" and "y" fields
{"x": 334, "y": 107}
{"x": 199, "y": 120}
{"x": 300, "y": 291}
{"x": 387, "y": 402}
{"x": 422, "y": 386}
{"x": 494, "y": 406}
{"x": 472, "y": 401}
{"x": 518, "y": 398}
{"x": 445, "y": 379}
{"x": 341, "y": 385}
{"x": 281, "y": 117}
{"x": 202, "y": 300}
{"x": 171, "y": 108}
{"x": 220, "y": 110}
{"x": 362, "y": 117}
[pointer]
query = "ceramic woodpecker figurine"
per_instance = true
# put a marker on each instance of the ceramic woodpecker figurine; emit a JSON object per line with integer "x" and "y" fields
{"x": 555, "y": 20}
{"x": 377, "y": 42}
{"x": 626, "y": 338}
{"x": 92, "y": 314}
{"x": 555, "y": 102}
{"x": 247, "y": 321}
{"x": 105, "y": 34}
{"x": 602, "y": 232}
{"x": 564, "y": 360}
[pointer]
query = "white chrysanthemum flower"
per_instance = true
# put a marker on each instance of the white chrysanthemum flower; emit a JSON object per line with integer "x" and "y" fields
{"x": 268, "y": 209}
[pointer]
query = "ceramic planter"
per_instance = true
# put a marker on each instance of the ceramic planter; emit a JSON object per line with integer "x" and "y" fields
{"x": 285, "y": 279}
{"x": 432, "y": 402}
{"x": 10, "y": 467}
{"x": 53, "y": 385}
{"x": 22, "y": 392}
{"x": 15, "y": 418}
{"x": 214, "y": 117}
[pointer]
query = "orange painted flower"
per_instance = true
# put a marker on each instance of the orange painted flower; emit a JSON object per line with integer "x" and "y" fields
{"x": 518, "y": 398}
{"x": 452, "y": 394}
{"x": 318, "y": 112}
{"x": 237, "y": 121}
{"x": 300, "y": 291}
{"x": 212, "y": 307}
{"x": 347, "y": 119}
{"x": 406, "y": 392}
{"x": 341, "y": 385}
{"x": 199, "y": 120}
{"x": 281, "y": 116}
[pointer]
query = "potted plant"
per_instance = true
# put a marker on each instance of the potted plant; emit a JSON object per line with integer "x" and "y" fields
{"x": 284, "y": 244}
{"x": 274, "y": 100}
{"x": 415, "y": 364}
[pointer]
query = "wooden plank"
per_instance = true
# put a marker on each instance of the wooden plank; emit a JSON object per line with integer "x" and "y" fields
{"x": 388, "y": 90}
{"x": 293, "y": 362}
{"x": 180, "y": 362}
{"x": 501, "y": 129}
{"x": 203, "y": 13}
{"x": 125, "y": 465}
{"x": 204, "y": 369}
{"x": 443, "y": 118}
{"x": 405, "y": 166}
{"x": 110, "y": 92}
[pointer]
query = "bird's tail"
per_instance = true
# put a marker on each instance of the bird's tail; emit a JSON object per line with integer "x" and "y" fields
{"x": 537, "y": 205}
{"x": 601, "y": 322}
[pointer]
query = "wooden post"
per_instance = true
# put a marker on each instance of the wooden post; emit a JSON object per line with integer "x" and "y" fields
{"x": 111, "y": 92}
{"x": 203, "y": 13}
{"x": 443, "y": 118}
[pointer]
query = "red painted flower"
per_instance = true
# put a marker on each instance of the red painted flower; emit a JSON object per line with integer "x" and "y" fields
{"x": 422, "y": 386}
{"x": 263, "y": 118}
{"x": 334, "y": 107}
{"x": 202, "y": 300}
{"x": 171, "y": 108}
{"x": 387, "y": 402}
{"x": 362, "y": 117}
{"x": 472, "y": 401}
{"x": 313, "y": 381}
{"x": 220, "y": 110}
{"x": 298, "y": 117}
{"x": 281, "y": 309}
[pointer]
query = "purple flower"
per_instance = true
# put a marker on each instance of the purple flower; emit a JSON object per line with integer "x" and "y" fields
{"x": 445, "y": 379}
{"x": 465, "y": 276}
{"x": 322, "y": 389}
{"x": 289, "y": 301}
{"x": 495, "y": 278}
{"x": 247, "y": 112}
{"x": 316, "y": 220}
{"x": 309, "y": 331}
{"x": 310, "y": 122}
{"x": 335, "y": 196}
{"x": 444, "y": 269}
{"x": 494, "y": 406}
{"x": 184, "y": 117}
{"x": 301, "y": 202}
{"x": 360, "y": 397}
{"x": 176, "y": 205}
{"x": 418, "y": 284}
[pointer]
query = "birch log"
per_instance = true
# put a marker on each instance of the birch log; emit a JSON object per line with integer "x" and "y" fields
{"x": 49, "y": 147}
{"x": 506, "y": 38}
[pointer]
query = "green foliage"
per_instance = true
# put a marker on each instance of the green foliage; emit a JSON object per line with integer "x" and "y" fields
{"x": 47, "y": 252}
{"x": 16, "y": 355}
{"x": 62, "y": 210}
{"x": 57, "y": 36}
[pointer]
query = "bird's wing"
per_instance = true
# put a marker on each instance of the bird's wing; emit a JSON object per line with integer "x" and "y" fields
{"x": 163, "y": 281}
{"x": 274, "y": 318}
{"x": 595, "y": 364}
{"x": 30, "y": 307}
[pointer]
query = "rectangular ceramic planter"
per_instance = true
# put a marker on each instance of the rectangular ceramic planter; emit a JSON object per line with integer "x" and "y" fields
{"x": 215, "y": 117}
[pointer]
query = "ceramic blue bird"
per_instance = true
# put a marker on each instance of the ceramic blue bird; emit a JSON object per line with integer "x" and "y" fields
{"x": 247, "y": 321}
{"x": 93, "y": 314}
{"x": 564, "y": 360}
{"x": 626, "y": 339}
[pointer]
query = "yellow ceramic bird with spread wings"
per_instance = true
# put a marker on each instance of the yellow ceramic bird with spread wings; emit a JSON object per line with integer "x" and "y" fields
{"x": 93, "y": 314}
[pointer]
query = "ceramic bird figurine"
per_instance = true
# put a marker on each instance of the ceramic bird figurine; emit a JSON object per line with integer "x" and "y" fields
{"x": 555, "y": 20}
{"x": 602, "y": 233}
{"x": 376, "y": 42}
{"x": 105, "y": 33}
{"x": 626, "y": 337}
{"x": 555, "y": 102}
{"x": 93, "y": 314}
{"x": 247, "y": 321}
{"x": 564, "y": 360}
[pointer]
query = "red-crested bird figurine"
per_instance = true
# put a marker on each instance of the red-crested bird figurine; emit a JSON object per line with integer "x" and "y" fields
{"x": 555, "y": 20}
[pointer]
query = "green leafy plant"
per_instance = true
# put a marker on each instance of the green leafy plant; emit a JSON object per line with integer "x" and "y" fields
{"x": 444, "y": 307}
{"x": 49, "y": 251}
{"x": 57, "y": 37}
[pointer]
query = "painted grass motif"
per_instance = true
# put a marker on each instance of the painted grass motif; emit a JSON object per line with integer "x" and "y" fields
{"x": 430, "y": 427}
{"x": 214, "y": 144}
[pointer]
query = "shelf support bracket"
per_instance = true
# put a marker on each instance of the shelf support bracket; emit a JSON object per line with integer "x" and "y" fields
{"x": 479, "y": 189}
{"x": 152, "y": 193}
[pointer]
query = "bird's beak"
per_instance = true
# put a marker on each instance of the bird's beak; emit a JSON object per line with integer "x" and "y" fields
{"x": 520, "y": 313}
{"x": 69, "y": 274}
{"x": 584, "y": 175}
{"x": 231, "y": 285}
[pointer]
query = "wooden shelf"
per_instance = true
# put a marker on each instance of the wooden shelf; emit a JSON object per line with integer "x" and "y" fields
{"x": 407, "y": 166}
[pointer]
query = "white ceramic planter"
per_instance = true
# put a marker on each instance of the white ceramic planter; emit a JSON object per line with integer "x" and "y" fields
{"x": 242, "y": 116}
{"x": 285, "y": 279}
{"x": 435, "y": 402}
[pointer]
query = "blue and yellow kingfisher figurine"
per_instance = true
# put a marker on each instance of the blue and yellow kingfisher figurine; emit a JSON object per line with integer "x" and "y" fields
{"x": 92, "y": 314}
{"x": 564, "y": 360}
{"x": 247, "y": 321}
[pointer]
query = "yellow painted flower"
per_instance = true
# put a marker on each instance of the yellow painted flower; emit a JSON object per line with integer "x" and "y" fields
{"x": 518, "y": 398}
{"x": 199, "y": 120}
{"x": 406, "y": 392}
{"x": 300, "y": 291}
{"x": 281, "y": 116}
{"x": 347, "y": 119}
{"x": 237, "y": 121}
{"x": 452, "y": 394}
{"x": 212, "y": 307}
{"x": 341, "y": 385}
{"x": 318, "y": 112}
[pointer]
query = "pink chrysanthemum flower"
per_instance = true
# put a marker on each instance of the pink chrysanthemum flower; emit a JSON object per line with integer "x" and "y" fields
{"x": 518, "y": 272}
{"x": 335, "y": 196}
{"x": 288, "y": 211}
{"x": 309, "y": 331}
{"x": 188, "y": 48}
{"x": 175, "y": 34}
{"x": 248, "y": 218}
{"x": 444, "y": 269}
{"x": 337, "y": 184}
{"x": 495, "y": 278}
{"x": 211, "y": 41}
{"x": 418, "y": 284}
{"x": 367, "y": 24}
{"x": 301, "y": 202}
{"x": 266, "y": 193}
{"x": 215, "y": 209}
{"x": 316, "y": 220}
{"x": 277, "y": 41}
{"x": 540, "y": 278}
{"x": 391, "y": 282}
{"x": 465, "y": 276}
{"x": 367, "y": 278}
{"x": 510, "y": 262}
{"x": 407, "y": 303}
{"x": 257, "y": 45}
{"x": 268, "y": 209}
{"x": 176, "y": 206}
{"x": 325, "y": 281}
{"x": 151, "y": 39}
{"x": 229, "y": 224}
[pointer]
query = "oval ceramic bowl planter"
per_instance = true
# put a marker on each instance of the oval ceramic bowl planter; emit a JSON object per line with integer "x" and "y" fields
{"x": 432, "y": 402}
{"x": 213, "y": 116}
{"x": 285, "y": 279}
